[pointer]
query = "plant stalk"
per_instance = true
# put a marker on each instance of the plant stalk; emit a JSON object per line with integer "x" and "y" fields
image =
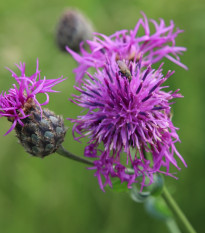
{"x": 62, "y": 151}
{"x": 177, "y": 212}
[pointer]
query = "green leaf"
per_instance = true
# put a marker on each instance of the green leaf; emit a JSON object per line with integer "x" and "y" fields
{"x": 138, "y": 196}
{"x": 118, "y": 186}
{"x": 157, "y": 187}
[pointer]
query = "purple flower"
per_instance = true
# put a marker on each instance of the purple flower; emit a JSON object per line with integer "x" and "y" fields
{"x": 130, "y": 45}
{"x": 129, "y": 113}
{"x": 16, "y": 103}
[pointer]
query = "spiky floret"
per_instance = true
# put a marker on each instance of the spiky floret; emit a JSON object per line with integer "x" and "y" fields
{"x": 126, "y": 112}
{"x": 16, "y": 103}
{"x": 130, "y": 45}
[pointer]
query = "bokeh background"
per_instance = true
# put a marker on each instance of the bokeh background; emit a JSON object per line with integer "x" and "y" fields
{"x": 57, "y": 195}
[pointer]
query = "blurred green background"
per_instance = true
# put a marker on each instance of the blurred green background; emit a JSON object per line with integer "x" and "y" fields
{"x": 57, "y": 195}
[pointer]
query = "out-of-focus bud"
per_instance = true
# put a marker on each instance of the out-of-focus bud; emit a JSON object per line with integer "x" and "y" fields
{"x": 72, "y": 29}
{"x": 42, "y": 132}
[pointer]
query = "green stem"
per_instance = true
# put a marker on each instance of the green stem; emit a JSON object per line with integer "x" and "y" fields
{"x": 62, "y": 151}
{"x": 178, "y": 214}
{"x": 172, "y": 226}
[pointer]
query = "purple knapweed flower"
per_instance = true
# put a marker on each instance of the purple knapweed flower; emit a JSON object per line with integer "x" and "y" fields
{"x": 130, "y": 45}
{"x": 15, "y": 104}
{"x": 127, "y": 110}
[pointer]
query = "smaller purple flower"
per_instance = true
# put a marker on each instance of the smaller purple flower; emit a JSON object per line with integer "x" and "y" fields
{"x": 16, "y": 103}
{"x": 129, "y": 113}
{"x": 130, "y": 45}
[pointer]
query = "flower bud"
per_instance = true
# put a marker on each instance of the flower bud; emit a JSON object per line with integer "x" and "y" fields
{"x": 73, "y": 28}
{"x": 42, "y": 132}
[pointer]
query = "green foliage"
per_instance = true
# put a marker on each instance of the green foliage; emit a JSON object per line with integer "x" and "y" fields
{"x": 119, "y": 187}
{"x": 57, "y": 195}
{"x": 139, "y": 196}
{"x": 155, "y": 189}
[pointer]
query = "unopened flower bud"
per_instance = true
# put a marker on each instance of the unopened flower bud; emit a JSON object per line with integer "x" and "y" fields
{"x": 42, "y": 132}
{"x": 73, "y": 28}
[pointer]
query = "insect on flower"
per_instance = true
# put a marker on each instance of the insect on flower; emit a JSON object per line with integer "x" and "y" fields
{"x": 129, "y": 45}
{"x": 124, "y": 70}
{"x": 127, "y": 115}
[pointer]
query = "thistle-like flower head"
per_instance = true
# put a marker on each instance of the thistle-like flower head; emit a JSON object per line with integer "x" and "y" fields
{"x": 15, "y": 103}
{"x": 127, "y": 110}
{"x": 130, "y": 45}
